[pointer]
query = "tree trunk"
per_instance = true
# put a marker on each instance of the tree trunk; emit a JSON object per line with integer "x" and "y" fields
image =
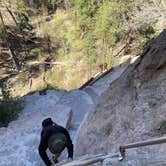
{"x": 12, "y": 53}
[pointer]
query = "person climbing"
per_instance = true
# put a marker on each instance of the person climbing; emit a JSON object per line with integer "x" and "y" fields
{"x": 56, "y": 138}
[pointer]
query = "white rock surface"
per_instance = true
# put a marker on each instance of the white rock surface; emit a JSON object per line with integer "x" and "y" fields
{"x": 36, "y": 102}
{"x": 19, "y": 142}
{"x": 80, "y": 103}
{"x": 102, "y": 84}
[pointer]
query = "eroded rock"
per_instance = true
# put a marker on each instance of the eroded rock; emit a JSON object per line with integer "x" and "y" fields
{"x": 131, "y": 108}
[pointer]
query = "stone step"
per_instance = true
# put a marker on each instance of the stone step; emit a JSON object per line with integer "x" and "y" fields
{"x": 80, "y": 103}
{"x": 90, "y": 90}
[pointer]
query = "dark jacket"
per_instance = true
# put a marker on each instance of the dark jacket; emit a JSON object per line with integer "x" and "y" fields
{"x": 46, "y": 133}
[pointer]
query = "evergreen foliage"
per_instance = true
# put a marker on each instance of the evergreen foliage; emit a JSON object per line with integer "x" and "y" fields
{"x": 20, "y": 5}
{"x": 86, "y": 33}
{"x": 9, "y": 109}
{"x": 100, "y": 21}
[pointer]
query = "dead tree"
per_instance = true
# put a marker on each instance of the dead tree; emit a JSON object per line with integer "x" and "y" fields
{"x": 12, "y": 53}
{"x": 17, "y": 25}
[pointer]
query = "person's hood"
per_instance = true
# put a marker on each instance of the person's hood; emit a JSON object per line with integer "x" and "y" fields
{"x": 47, "y": 122}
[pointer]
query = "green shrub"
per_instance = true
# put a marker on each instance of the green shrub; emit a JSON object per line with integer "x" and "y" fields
{"x": 20, "y": 5}
{"x": 9, "y": 109}
{"x": 147, "y": 30}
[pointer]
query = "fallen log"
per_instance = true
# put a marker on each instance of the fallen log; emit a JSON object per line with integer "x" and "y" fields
{"x": 92, "y": 80}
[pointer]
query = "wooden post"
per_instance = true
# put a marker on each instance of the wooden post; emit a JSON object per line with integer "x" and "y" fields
{"x": 142, "y": 143}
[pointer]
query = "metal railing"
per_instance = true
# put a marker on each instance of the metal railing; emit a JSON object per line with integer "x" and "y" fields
{"x": 99, "y": 158}
{"x": 88, "y": 160}
{"x": 139, "y": 144}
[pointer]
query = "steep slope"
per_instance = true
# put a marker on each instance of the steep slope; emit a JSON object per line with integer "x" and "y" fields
{"x": 132, "y": 109}
{"x": 20, "y": 139}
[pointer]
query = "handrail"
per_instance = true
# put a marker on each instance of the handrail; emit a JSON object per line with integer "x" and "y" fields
{"x": 88, "y": 160}
{"x": 139, "y": 144}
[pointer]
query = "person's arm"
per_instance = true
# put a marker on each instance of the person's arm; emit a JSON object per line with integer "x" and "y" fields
{"x": 69, "y": 143}
{"x": 42, "y": 151}
{"x": 70, "y": 149}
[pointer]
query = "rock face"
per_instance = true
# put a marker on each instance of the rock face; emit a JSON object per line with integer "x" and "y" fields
{"x": 138, "y": 160}
{"x": 132, "y": 109}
